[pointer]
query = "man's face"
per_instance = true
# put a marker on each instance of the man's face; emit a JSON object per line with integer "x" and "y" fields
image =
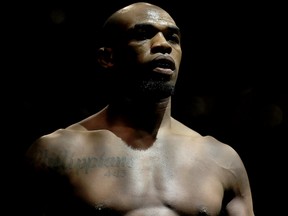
{"x": 149, "y": 55}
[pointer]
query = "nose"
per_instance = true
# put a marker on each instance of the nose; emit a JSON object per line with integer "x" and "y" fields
{"x": 160, "y": 44}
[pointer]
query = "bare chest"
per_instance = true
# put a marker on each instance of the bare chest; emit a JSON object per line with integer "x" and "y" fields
{"x": 147, "y": 182}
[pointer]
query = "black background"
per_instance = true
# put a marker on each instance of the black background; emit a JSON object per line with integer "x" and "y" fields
{"x": 232, "y": 82}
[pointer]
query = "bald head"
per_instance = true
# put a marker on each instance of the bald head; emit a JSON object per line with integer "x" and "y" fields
{"x": 140, "y": 12}
{"x": 125, "y": 18}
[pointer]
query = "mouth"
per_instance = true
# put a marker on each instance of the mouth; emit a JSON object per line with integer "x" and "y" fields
{"x": 163, "y": 65}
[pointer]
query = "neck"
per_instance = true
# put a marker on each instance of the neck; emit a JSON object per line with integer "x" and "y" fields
{"x": 142, "y": 118}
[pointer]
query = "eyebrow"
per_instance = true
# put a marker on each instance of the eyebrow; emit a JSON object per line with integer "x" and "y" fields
{"x": 171, "y": 28}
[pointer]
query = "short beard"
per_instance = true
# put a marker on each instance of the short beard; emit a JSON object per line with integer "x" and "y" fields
{"x": 146, "y": 90}
{"x": 148, "y": 87}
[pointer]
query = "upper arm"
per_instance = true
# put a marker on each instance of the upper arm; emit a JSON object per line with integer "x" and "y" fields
{"x": 43, "y": 163}
{"x": 241, "y": 204}
{"x": 234, "y": 176}
{"x": 36, "y": 177}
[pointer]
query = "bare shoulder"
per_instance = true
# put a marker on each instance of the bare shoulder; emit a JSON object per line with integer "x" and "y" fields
{"x": 50, "y": 144}
{"x": 63, "y": 143}
{"x": 220, "y": 153}
{"x": 57, "y": 139}
{"x": 218, "y": 149}
{"x": 212, "y": 144}
{"x": 224, "y": 160}
{"x": 233, "y": 174}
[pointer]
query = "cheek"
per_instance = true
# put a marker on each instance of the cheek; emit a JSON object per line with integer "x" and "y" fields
{"x": 178, "y": 58}
{"x": 142, "y": 55}
{"x": 139, "y": 50}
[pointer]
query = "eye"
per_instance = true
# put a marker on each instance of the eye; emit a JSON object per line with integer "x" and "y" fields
{"x": 174, "y": 38}
{"x": 143, "y": 34}
{"x": 173, "y": 35}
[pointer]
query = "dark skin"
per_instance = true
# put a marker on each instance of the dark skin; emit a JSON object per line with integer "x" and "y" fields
{"x": 133, "y": 158}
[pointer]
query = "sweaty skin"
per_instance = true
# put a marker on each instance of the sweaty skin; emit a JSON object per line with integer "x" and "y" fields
{"x": 132, "y": 158}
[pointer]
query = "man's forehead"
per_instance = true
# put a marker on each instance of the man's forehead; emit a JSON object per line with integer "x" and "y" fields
{"x": 153, "y": 16}
{"x": 149, "y": 15}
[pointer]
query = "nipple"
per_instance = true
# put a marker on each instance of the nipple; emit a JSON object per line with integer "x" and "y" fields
{"x": 99, "y": 206}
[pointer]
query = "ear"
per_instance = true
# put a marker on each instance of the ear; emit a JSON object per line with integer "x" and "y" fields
{"x": 105, "y": 57}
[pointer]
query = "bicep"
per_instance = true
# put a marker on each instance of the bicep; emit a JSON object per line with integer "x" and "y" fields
{"x": 239, "y": 206}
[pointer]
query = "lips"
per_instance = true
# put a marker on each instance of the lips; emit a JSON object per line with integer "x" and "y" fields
{"x": 163, "y": 64}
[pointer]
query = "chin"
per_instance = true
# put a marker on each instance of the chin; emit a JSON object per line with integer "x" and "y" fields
{"x": 155, "y": 90}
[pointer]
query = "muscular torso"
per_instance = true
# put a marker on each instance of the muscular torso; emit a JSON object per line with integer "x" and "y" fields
{"x": 109, "y": 178}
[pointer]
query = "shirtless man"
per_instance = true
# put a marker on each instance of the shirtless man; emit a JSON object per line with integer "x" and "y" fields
{"x": 132, "y": 158}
